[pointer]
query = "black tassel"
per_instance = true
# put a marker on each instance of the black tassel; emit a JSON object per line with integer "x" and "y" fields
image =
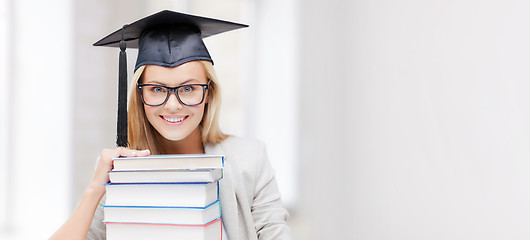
{"x": 121, "y": 138}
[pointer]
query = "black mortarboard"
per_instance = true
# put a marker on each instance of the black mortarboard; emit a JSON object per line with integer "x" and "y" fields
{"x": 166, "y": 39}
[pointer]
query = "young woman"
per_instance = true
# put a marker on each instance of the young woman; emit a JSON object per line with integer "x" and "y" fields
{"x": 173, "y": 109}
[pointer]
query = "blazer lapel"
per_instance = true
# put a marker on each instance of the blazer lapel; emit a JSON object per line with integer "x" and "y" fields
{"x": 227, "y": 195}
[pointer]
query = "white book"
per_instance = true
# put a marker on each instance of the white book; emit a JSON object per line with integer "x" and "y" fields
{"x": 166, "y": 176}
{"x": 162, "y": 215}
{"x": 170, "y": 161}
{"x": 162, "y": 194}
{"x": 139, "y": 231}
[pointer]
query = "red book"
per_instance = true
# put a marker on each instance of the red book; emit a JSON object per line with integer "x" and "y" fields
{"x": 141, "y": 231}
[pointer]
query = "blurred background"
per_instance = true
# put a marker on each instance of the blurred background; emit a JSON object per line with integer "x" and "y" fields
{"x": 383, "y": 119}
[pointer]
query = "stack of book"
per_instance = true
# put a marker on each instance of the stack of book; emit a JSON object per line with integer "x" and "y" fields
{"x": 164, "y": 197}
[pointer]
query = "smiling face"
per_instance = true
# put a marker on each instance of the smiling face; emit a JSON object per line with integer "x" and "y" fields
{"x": 172, "y": 120}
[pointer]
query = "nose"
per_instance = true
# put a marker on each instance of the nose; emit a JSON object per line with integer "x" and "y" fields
{"x": 173, "y": 103}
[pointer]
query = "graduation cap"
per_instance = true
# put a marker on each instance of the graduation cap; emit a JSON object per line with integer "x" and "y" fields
{"x": 166, "y": 39}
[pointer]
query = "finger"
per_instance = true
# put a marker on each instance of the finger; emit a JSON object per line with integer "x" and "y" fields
{"x": 143, "y": 153}
{"x": 125, "y": 152}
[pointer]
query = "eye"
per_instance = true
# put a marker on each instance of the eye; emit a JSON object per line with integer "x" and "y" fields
{"x": 187, "y": 89}
{"x": 157, "y": 89}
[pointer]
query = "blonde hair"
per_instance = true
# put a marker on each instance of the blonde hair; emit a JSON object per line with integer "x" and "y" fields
{"x": 141, "y": 133}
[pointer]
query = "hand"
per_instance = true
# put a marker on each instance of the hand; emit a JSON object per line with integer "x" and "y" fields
{"x": 101, "y": 176}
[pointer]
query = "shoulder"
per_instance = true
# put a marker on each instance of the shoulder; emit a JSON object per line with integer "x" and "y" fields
{"x": 245, "y": 155}
{"x": 242, "y": 146}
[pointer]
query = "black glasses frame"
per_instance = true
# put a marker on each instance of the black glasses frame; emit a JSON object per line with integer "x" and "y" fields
{"x": 172, "y": 90}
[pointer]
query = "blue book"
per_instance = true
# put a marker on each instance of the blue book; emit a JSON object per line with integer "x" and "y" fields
{"x": 162, "y": 194}
{"x": 162, "y": 215}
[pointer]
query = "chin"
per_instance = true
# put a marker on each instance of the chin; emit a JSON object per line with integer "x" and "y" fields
{"x": 176, "y": 134}
{"x": 174, "y": 137}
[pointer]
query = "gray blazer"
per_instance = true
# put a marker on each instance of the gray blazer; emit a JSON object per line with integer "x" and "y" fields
{"x": 251, "y": 207}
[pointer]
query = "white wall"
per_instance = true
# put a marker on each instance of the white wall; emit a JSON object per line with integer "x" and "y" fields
{"x": 414, "y": 120}
{"x": 273, "y": 109}
{"x": 4, "y": 119}
{"x": 37, "y": 56}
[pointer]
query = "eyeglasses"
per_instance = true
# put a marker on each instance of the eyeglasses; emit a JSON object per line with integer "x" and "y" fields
{"x": 188, "y": 95}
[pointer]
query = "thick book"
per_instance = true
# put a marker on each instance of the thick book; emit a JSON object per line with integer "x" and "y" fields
{"x": 141, "y": 231}
{"x": 166, "y": 176}
{"x": 162, "y": 194}
{"x": 170, "y": 161}
{"x": 162, "y": 215}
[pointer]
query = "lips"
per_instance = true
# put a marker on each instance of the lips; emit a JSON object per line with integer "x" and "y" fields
{"x": 174, "y": 119}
